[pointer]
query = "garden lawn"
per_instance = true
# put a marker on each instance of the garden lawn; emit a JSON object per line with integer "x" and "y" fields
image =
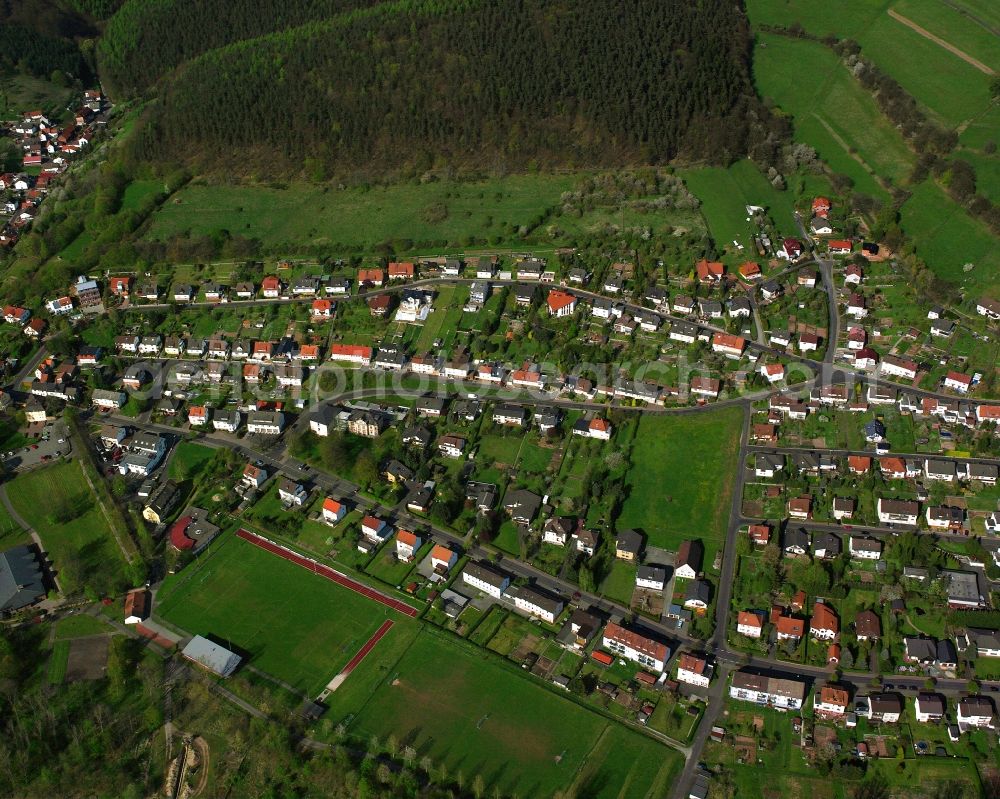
{"x": 471, "y": 713}
{"x": 361, "y": 218}
{"x": 188, "y": 459}
{"x": 79, "y": 626}
{"x": 57, "y": 502}
{"x": 296, "y": 626}
{"x": 680, "y": 480}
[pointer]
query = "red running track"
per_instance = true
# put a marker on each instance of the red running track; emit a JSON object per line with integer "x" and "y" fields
{"x": 368, "y": 647}
{"x": 329, "y": 574}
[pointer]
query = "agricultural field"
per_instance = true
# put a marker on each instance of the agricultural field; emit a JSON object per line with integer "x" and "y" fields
{"x": 947, "y": 239}
{"x": 681, "y": 478}
{"x": 286, "y": 219}
{"x": 470, "y": 713}
{"x": 294, "y": 625}
{"x": 934, "y": 72}
{"x": 832, "y": 112}
{"x": 57, "y": 502}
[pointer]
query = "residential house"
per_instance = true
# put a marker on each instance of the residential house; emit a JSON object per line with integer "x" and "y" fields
{"x": 407, "y": 544}
{"x": 975, "y": 712}
{"x": 535, "y": 602}
{"x": 694, "y": 670}
{"x": 652, "y": 578}
{"x": 895, "y": 511}
{"x": 885, "y": 707}
{"x": 929, "y": 707}
{"x": 824, "y": 624}
{"x": 750, "y": 623}
{"x": 867, "y": 626}
{"x": 253, "y": 476}
{"x": 865, "y": 547}
{"x": 831, "y": 702}
{"x": 628, "y": 545}
{"x": 333, "y": 510}
{"x": 522, "y": 506}
{"x": 698, "y": 595}
{"x": 688, "y": 562}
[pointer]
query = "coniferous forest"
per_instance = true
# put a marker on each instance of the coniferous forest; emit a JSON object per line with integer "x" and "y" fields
{"x": 420, "y": 83}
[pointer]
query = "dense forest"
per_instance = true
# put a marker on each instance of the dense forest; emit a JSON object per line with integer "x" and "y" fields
{"x": 143, "y": 41}
{"x": 420, "y": 83}
{"x": 39, "y": 37}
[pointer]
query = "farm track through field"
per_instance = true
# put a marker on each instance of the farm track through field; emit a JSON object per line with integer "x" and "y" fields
{"x": 847, "y": 148}
{"x": 941, "y": 42}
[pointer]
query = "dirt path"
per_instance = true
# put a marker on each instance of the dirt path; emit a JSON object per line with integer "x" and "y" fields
{"x": 847, "y": 148}
{"x": 126, "y": 553}
{"x": 941, "y": 42}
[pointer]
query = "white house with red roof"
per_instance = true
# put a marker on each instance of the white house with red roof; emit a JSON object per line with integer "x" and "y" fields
{"x": 271, "y": 287}
{"x": 322, "y": 309}
{"x": 407, "y": 544}
{"x": 561, "y": 303}
{"x": 442, "y": 558}
{"x": 956, "y": 381}
{"x": 750, "y": 623}
{"x": 353, "y": 353}
{"x": 334, "y": 511}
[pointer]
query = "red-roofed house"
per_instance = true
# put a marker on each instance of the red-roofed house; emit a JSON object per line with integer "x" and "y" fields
{"x": 136, "y": 606}
{"x": 760, "y": 534}
{"x": 824, "y": 624}
{"x": 442, "y": 558}
{"x": 709, "y": 271}
{"x": 841, "y": 247}
{"x": 407, "y": 544}
{"x": 271, "y": 287}
{"x": 321, "y": 309}
{"x": 790, "y": 249}
{"x": 401, "y": 270}
{"x": 859, "y": 464}
{"x": 728, "y": 345}
{"x": 333, "y": 511}
{"x": 956, "y": 381}
{"x": 370, "y": 277}
{"x": 355, "y": 353}
{"x": 750, "y": 271}
{"x": 561, "y": 303}
{"x": 821, "y": 206}
{"x": 750, "y": 623}
{"x": 120, "y": 285}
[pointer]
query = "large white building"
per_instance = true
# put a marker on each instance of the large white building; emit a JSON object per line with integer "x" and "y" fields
{"x": 485, "y": 579}
{"x": 896, "y": 511}
{"x": 632, "y": 646}
{"x": 779, "y": 692}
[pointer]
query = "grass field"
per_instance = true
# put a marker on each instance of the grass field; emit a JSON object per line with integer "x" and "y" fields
{"x": 469, "y": 713}
{"x": 20, "y": 93}
{"x": 57, "y": 502}
{"x": 832, "y": 112}
{"x": 947, "y": 238}
{"x": 295, "y": 625}
{"x": 950, "y": 88}
{"x": 725, "y": 192}
{"x": 287, "y": 218}
{"x": 680, "y": 480}
{"x": 58, "y": 660}
{"x": 78, "y": 626}
{"x": 188, "y": 459}
{"x": 137, "y": 191}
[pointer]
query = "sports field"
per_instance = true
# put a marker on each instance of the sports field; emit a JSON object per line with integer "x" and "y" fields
{"x": 471, "y": 714}
{"x": 361, "y": 218}
{"x": 681, "y": 478}
{"x": 295, "y": 625}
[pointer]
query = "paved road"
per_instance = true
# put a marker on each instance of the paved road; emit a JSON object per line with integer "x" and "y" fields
{"x": 824, "y": 370}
